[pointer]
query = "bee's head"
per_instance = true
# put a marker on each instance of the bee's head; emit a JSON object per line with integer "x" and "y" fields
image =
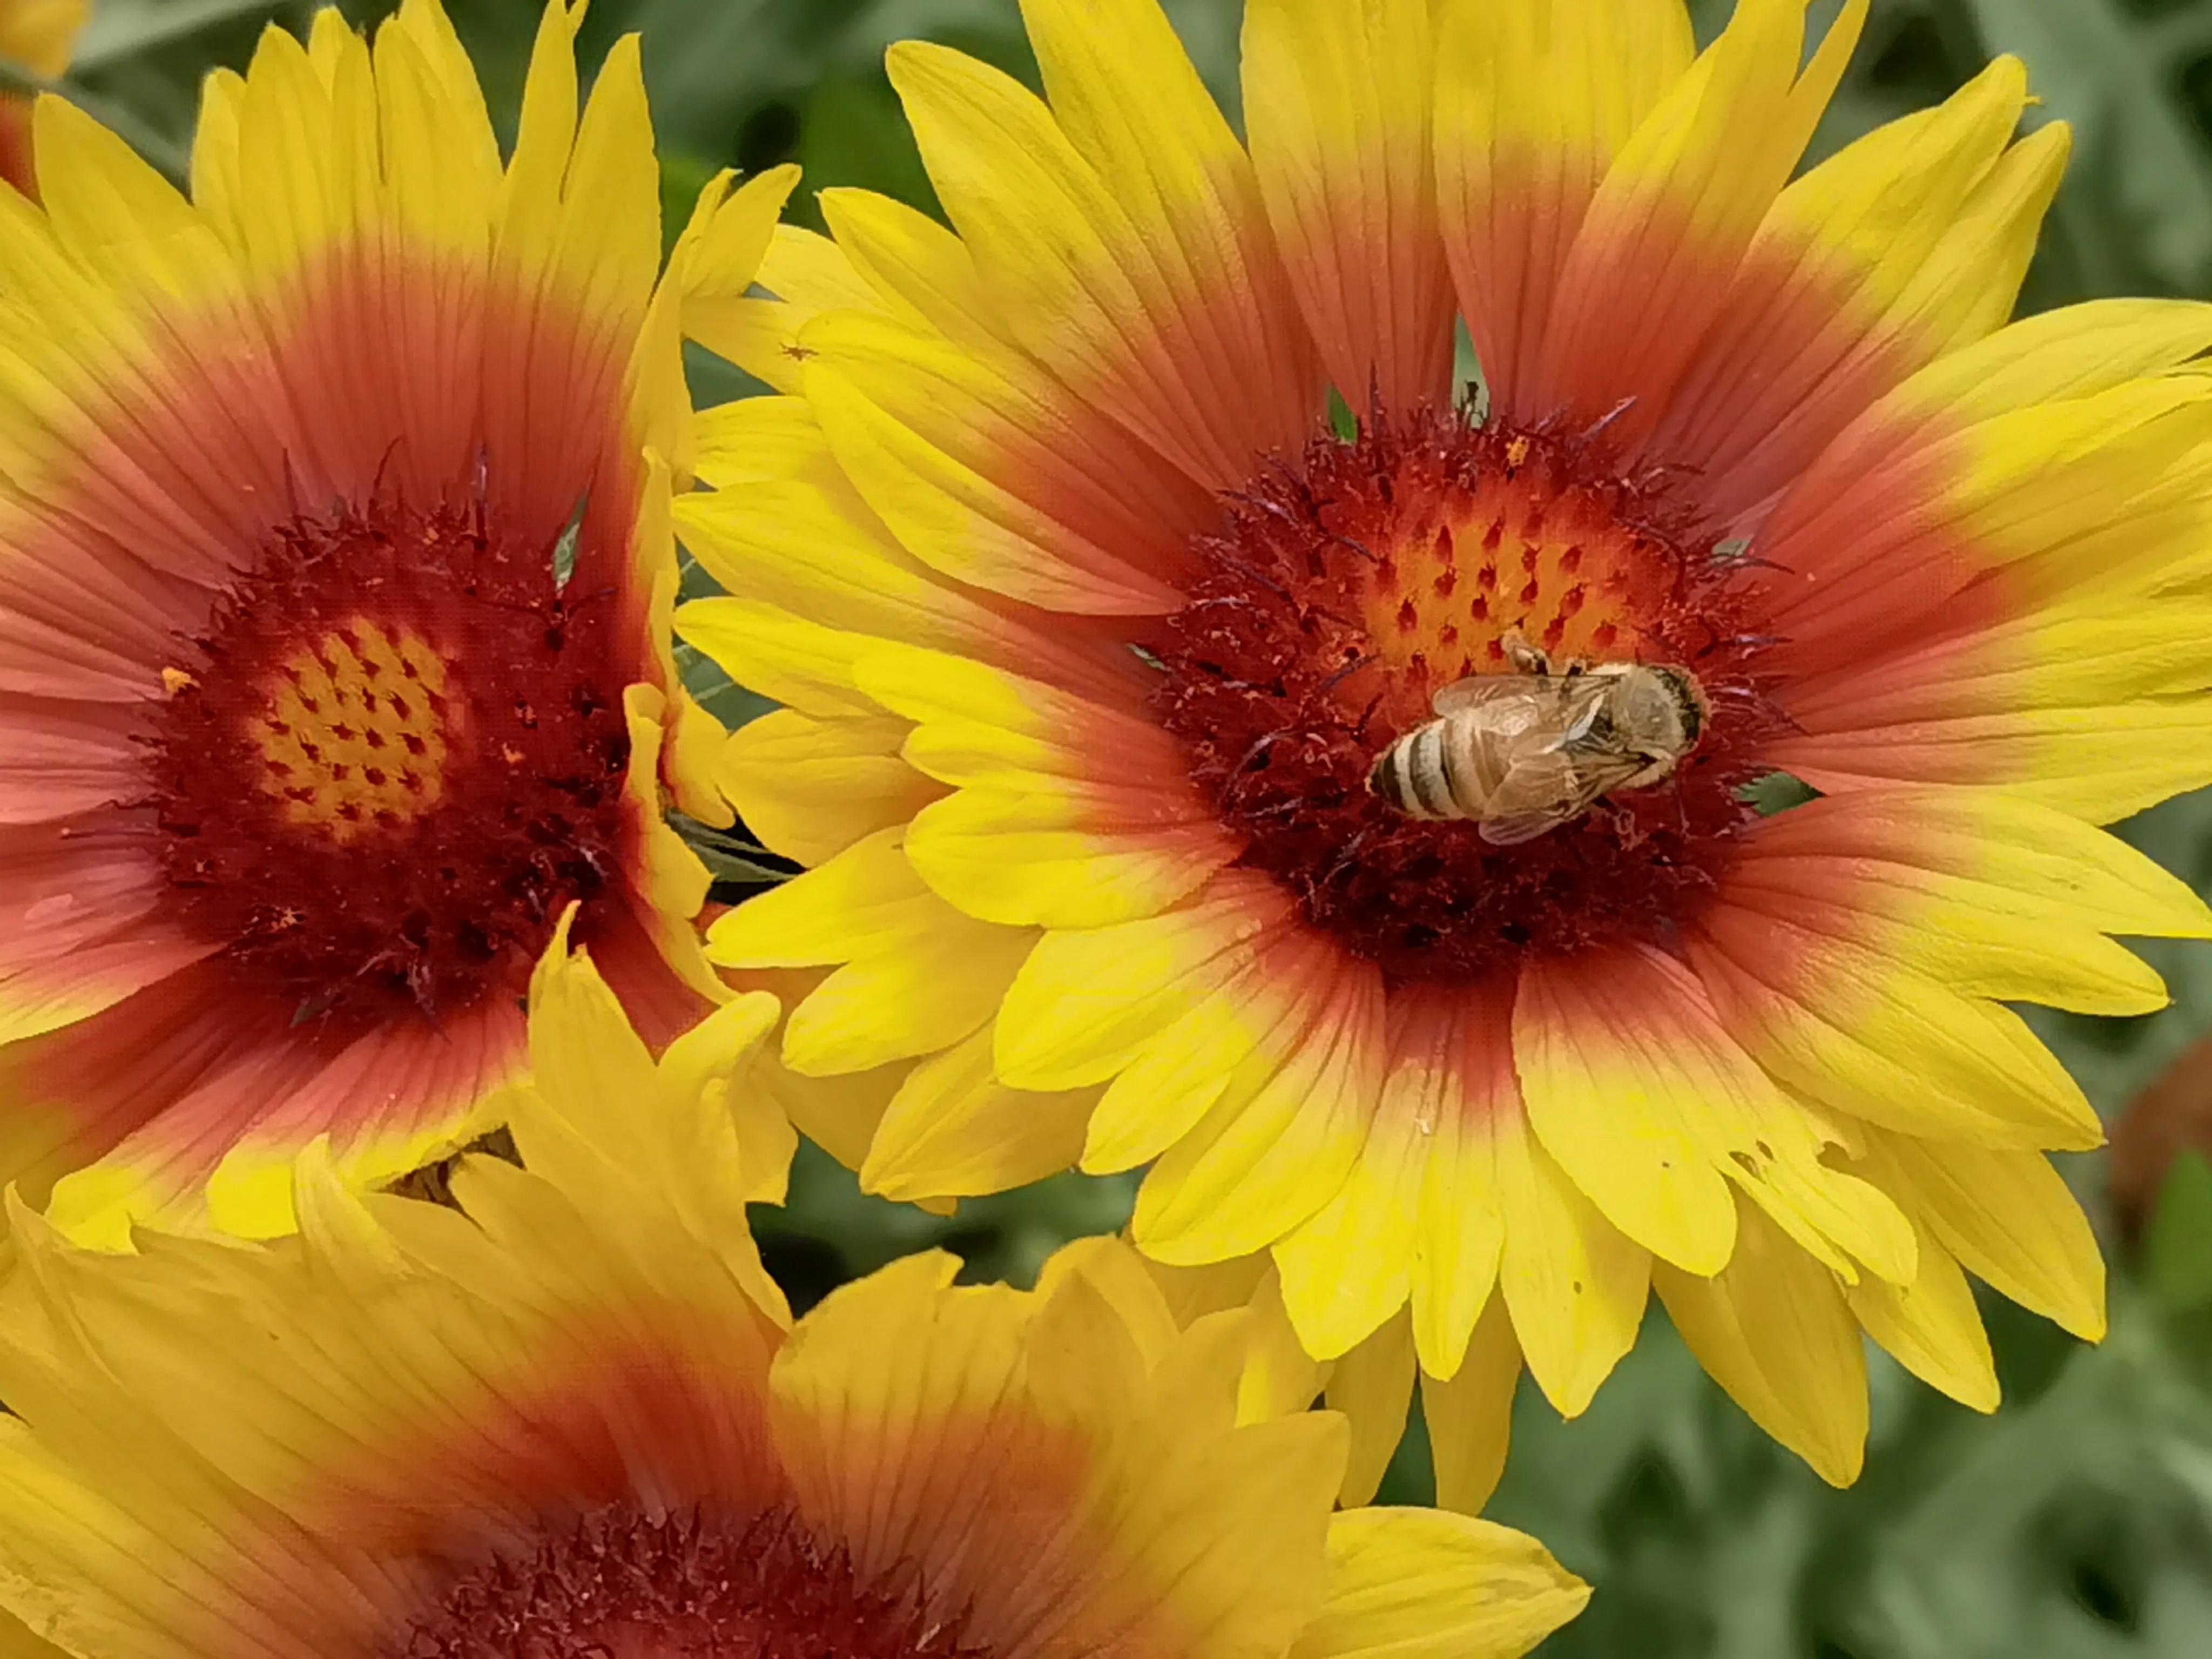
{"x": 1688, "y": 697}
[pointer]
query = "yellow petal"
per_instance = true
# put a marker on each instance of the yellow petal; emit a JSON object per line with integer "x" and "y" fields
{"x": 1470, "y": 1416}
{"x": 1618, "y": 1071}
{"x": 1932, "y": 1327}
{"x": 1069, "y": 858}
{"x": 1119, "y": 1275}
{"x": 866, "y": 901}
{"x": 1337, "y": 111}
{"x": 1452, "y": 1080}
{"x": 811, "y": 787}
{"x": 1909, "y": 242}
{"x": 782, "y": 656}
{"x": 1088, "y": 1001}
{"x": 1122, "y": 231}
{"x": 1284, "y": 1134}
{"x": 1350, "y": 1267}
{"x": 756, "y": 439}
{"x": 1532, "y": 106}
{"x": 1425, "y": 1584}
{"x": 912, "y": 996}
{"x": 953, "y": 1130}
{"x": 1642, "y": 283}
{"x": 919, "y": 267}
{"x": 1773, "y": 1330}
{"x": 2008, "y": 1218}
{"x": 1373, "y": 1387}
{"x": 1575, "y": 1285}
{"x": 938, "y": 440}
{"x": 720, "y": 258}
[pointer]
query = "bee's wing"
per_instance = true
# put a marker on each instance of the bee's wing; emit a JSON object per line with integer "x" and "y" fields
{"x": 1479, "y": 690}
{"x": 1544, "y": 791}
{"x": 1580, "y": 700}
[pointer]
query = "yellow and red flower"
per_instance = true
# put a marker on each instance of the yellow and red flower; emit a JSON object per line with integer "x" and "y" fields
{"x": 1091, "y": 626}
{"x": 571, "y": 1421}
{"x": 36, "y": 36}
{"x": 335, "y": 578}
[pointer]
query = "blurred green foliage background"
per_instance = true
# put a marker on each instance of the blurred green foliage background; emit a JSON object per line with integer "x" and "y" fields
{"x": 2078, "y": 1521}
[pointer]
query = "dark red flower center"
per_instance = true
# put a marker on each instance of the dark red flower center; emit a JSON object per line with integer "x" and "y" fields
{"x": 395, "y": 755}
{"x": 1345, "y": 591}
{"x": 621, "y": 1585}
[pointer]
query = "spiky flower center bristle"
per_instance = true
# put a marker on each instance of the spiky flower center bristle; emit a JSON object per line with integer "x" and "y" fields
{"x": 1343, "y": 592}
{"x": 394, "y": 755}
{"x": 620, "y": 1583}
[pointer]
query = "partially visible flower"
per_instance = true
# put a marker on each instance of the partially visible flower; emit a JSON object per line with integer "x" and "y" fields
{"x": 335, "y": 578}
{"x": 1091, "y": 623}
{"x": 570, "y": 1421}
{"x": 37, "y": 36}
{"x": 2167, "y": 1120}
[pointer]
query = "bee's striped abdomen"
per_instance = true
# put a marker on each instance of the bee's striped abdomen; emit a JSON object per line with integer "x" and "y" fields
{"x": 1411, "y": 774}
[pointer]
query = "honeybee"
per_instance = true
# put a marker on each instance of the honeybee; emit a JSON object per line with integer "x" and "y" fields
{"x": 1523, "y": 753}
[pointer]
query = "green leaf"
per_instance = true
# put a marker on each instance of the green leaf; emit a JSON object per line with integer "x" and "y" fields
{"x": 708, "y": 66}
{"x": 1777, "y": 791}
{"x": 731, "y": 857}
{"x": 1005, "y": 1236}
{"x": 714, "y": 382}
{"x": 2177, "y": 1249}
{"x": 721, "y": 696}
{"x": 852, "y": 132}
{"x": 1341, "y": 421}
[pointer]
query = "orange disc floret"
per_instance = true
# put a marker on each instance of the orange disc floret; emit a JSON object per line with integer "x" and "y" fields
{"x": 1346, "y": 591}
{"x": 396, "y": 755}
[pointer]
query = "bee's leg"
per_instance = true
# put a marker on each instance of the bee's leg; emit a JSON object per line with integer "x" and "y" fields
{"x": 1523, "y": 657}
{"x": 1627, "y": 826}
